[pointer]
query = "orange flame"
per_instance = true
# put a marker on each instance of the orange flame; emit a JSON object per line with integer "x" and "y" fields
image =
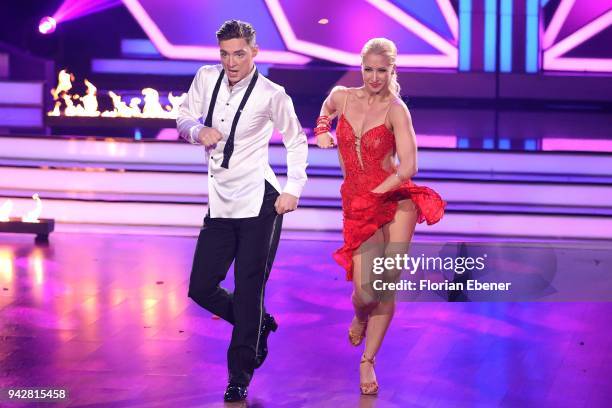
{"x": 32, "y": 216}
{"x": 88, "y": 104}
{"x": 56, "y": 109}
{"x": 152, "y": 107}
{"x": 176, "y": 102}
{"x": 64, "y": 83}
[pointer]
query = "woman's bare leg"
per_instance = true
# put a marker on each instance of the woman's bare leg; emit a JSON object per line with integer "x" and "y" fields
{"x": 363, "y": 298}
{"x": 397, "y": 235}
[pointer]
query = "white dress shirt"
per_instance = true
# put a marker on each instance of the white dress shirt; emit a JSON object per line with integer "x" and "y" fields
{"x": 237, "y": 192}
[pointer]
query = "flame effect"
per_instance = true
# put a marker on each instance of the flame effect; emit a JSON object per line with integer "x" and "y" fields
{"x": 5, "y": 210}
{"x": 87, "y": 106}
{"x": 32, "y": 216}
{"x": 90, "y": 102}
{"x": 64, "y": 83}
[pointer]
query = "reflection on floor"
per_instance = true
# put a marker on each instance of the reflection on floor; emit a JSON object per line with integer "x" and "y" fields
{"x": 107, "y": 318}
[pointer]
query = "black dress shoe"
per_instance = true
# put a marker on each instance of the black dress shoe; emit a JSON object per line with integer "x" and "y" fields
{"x": 268, "y": 325}
{"x": 235, "y": 392}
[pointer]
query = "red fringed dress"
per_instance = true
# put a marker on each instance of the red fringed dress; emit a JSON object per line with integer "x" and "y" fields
{"x": 365, "y": 212}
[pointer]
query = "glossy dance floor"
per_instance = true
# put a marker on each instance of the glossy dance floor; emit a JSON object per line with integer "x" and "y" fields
{"x": 107, "y": 318}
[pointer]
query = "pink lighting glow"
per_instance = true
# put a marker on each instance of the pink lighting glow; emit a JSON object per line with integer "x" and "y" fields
{"x": 576, "y": 145}
{"x": 71, "y": 9}
{"x": 554, "y": 61}
{"x": 437, "y": 141}
{"x": 450, "y": 16}
{"x": 552, "y": 56}
{"x": 578, "y": 64}
{"x": 447, "y": 60}
{"x": 557, "y": 22}
{"x": 199, "y": 52}
{"x": 47, "y": 25}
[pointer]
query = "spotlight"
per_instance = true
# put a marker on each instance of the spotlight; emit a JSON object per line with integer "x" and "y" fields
{"x": 47, "y": 25}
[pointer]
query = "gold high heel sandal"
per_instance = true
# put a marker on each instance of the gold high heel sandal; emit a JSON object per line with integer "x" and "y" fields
{"x": 369, "y": 388}
{"x": 355, "y": 338}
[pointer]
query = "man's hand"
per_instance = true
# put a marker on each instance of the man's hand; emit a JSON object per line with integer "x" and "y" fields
{"x": 285, "y": 203}
{"x": 209, "y": 136}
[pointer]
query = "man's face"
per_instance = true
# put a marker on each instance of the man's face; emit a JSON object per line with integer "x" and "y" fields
{"x": 237, "y": 58}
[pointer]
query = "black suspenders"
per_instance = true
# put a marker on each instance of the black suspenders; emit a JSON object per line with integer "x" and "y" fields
{"x": 229, "y": 145}
{"x": 213, "y": 101}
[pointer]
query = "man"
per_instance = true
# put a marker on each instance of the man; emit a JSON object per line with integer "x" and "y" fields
{"x": 241, "y": 108}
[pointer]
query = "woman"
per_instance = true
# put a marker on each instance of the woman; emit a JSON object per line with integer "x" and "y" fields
{"x": 380, "y": 204}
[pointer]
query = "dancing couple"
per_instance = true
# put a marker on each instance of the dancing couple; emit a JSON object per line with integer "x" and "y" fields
{"x": 240, "y": 108}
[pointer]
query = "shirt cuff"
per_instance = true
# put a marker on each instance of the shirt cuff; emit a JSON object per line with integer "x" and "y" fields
{"x": 193, "y": 133}
{"x": 293, "y": 188}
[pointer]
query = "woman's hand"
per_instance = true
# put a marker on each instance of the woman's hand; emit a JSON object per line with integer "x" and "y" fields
{"x": 325, "y": 140}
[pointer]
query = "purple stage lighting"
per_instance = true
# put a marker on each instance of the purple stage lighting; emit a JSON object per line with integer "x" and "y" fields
{"x": 47, "y": 25}
{"x": 71, "y": 9}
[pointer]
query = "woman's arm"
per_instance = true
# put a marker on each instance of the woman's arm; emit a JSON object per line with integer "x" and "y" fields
{"x": 330, "y": 109}
{"x": 334, "y": 101}
{"x": 405, "y": 144}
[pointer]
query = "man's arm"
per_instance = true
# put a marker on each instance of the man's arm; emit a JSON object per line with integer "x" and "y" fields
{"x": 191, "y": 110}
{"x": 286, "y": 122}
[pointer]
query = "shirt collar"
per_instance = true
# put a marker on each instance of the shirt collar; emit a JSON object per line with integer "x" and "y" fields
{"x": 244, "y": 82}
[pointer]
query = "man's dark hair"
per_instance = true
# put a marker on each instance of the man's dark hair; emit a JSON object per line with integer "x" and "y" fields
{"x": 237, "y": 29}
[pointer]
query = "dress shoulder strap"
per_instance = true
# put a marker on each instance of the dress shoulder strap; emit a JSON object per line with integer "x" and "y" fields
{"x": 388, "y": 109}
{"x": 345, "y": 100}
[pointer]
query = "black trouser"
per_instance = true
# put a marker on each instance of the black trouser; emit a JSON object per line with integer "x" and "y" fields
{"x": 252, "y": 243}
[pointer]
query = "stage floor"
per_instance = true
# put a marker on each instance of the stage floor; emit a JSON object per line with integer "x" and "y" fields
{"x": 107, "y": 318}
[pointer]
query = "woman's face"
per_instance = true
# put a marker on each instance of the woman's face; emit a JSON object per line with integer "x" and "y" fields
{"x": 376, "y": 71}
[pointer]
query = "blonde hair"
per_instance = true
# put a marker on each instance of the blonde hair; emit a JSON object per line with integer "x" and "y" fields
{"x": 386, "y": 47}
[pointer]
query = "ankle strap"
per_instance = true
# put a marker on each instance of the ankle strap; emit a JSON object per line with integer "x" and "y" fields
{"x": 364, "y": 359}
